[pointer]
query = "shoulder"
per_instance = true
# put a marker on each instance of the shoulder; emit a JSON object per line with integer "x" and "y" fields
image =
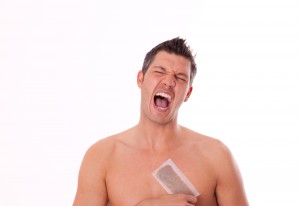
{"x": 217, "y": 153}
{"x": 212, "y": 148}
{"x": 195, "y": 137}
{"x": 103, "y": 146}
{"x": 229, "y": 184}
{"x": 95, "y": 159}
{"x": 103, "y": 150}
{"x": 93, "y": 171}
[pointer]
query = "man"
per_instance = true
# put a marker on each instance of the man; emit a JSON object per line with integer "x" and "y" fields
{"x": 118, "y": 170}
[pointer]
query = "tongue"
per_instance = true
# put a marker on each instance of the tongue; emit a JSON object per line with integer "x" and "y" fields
{"x": 161, "y": 102}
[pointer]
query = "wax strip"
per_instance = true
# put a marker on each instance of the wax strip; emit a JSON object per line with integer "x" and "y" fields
{"x": 171, "y": 178}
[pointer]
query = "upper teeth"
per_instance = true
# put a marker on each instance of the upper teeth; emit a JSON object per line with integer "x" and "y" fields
{"x": 167, "y": 96}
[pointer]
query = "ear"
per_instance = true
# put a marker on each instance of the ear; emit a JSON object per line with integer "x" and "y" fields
{"x": 188, "y": 94}
{"x": 140, "y": 78}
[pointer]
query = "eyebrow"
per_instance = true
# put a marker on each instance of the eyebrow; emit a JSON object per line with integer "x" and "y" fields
{"x": 160, "y": 67}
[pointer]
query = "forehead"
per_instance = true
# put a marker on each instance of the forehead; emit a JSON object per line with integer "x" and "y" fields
{"x": 171, "y": 61}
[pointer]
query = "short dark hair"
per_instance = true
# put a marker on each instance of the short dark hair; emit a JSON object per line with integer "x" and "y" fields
{"x": 177, "y": 46}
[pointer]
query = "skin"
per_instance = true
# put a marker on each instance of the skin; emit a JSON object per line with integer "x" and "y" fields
{"x": 117, "y": 169}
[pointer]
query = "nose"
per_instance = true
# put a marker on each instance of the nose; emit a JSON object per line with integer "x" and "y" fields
{"x": 169, "y": 81}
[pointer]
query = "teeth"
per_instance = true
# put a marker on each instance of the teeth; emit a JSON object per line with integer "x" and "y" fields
{"x": 162, "y": 108}
{"x": 167, "y": 96}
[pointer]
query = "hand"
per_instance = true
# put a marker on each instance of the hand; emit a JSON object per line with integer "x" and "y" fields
{"x": 170, "y": 200}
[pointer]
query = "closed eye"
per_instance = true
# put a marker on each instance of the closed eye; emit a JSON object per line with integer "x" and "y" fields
{"x": 181, "y": 78}
{"x": 159, "y": 70}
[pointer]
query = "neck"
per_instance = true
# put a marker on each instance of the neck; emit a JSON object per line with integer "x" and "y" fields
{"x": 157, "y": 137}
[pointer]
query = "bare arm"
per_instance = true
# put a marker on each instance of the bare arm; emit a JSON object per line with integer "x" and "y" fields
{"x": 91, "y": 190}
{"x": 230, "y": 189}
{"x": 170, "y": 200}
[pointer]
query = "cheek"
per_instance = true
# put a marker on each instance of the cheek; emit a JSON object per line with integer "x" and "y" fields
{"x": 146, "y": 92}
{"x": 150, "y": 84}
{"x": 182, "y": 95}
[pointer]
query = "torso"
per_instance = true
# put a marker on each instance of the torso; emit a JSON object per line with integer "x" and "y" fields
{"x": 129, "y": 177}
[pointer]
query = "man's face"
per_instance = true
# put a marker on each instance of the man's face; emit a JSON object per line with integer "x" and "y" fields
{"x": 164, "y": 87}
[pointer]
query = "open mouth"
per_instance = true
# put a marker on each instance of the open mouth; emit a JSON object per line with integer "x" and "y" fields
{"x": 162, "y": 100}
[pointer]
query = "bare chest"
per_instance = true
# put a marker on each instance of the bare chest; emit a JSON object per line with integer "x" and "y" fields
{"x": 129, "y": 179}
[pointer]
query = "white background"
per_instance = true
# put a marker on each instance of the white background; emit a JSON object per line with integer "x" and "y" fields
{"x": 68, "y": 78}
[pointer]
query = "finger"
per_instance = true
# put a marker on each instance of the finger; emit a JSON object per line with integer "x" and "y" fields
{"x": 191, "y": 199}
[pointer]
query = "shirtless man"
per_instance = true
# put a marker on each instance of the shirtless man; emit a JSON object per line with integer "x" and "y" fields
{"x": 117, "y": 170}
